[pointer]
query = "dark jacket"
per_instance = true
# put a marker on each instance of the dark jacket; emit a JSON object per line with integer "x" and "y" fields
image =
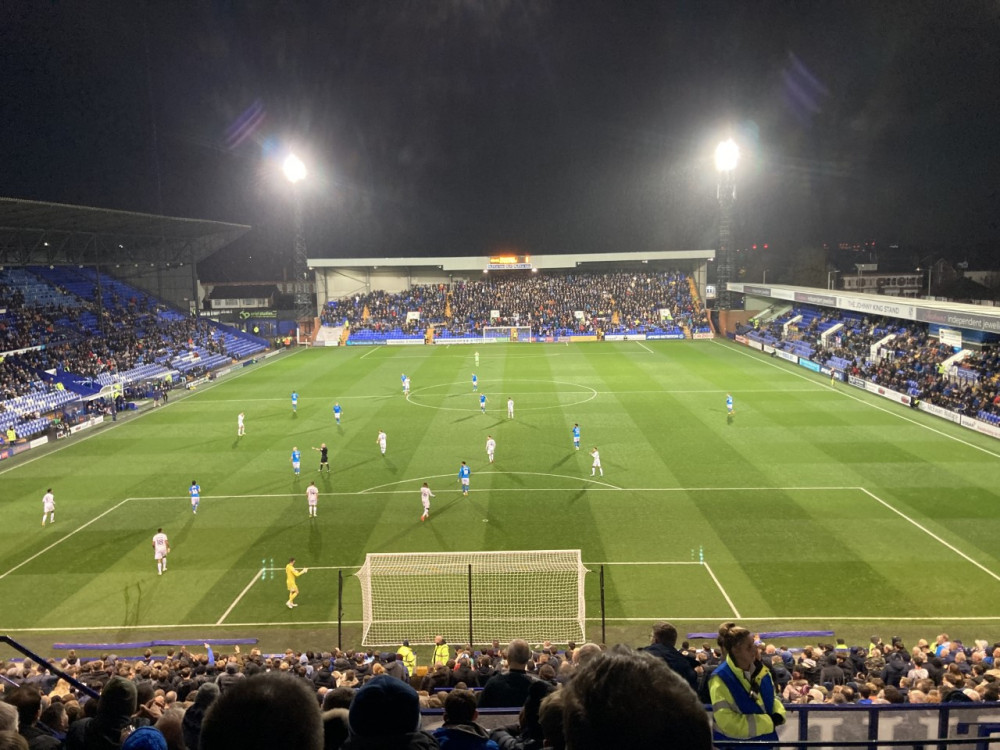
{"x": 508, "y": 690}
{"x": 681, "y": 664}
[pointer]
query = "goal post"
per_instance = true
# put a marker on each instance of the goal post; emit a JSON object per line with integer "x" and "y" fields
{"x": 508, "y": 334}
{"x": 537, "y": 595}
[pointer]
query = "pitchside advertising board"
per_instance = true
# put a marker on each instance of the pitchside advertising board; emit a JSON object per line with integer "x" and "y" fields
{"x": 984, "y": 428}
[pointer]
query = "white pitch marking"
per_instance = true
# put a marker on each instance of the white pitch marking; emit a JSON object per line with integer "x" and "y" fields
{"x": 644, "y": 347}
{"x": 237, "y": 599}
{"x": 181, "y": 399}
{"x": 851, "y": 396}
{"x": 728, "y": 600}
{"x": 651, "y": 618}
{"x": 931, "y": 534}
{"x": 63, "y": 539}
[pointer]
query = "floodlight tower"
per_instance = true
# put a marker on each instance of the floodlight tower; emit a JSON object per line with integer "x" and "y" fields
{"x": 295, "y": 172}
{"x": 727, "y": 157}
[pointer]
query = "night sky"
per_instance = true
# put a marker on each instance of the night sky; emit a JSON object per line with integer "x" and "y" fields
{"x": 465, "y": 126}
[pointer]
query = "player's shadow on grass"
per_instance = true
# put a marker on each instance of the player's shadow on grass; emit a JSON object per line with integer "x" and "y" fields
{"x": 181, "y": 537}
{"x": 315, "y": 540}
{"x": 359, "y": 463}
{"x": 566, "y": 458}
{"x": 463, "y": 419}
{"x": 729, "y": 419}
{"x": 132, "y": 607}
{"x": 436, "y": 513}
{"x": 581, "y": 493}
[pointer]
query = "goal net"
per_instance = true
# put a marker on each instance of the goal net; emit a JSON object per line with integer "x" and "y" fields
{"x": 535, "y": 595}
{"x": 511, "y": 334}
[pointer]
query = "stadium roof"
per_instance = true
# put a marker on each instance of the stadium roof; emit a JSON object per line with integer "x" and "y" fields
{"x": 950, "y": 314}
{"x": 35, "y": 232}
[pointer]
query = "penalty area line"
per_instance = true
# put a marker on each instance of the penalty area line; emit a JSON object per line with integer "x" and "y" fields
{"x": 931, "y": 534}
{"x": 729, "y": 601}
{"x": 237, "y": 599}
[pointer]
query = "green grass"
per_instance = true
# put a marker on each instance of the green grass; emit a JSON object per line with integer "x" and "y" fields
{"x": 816, "y": 507}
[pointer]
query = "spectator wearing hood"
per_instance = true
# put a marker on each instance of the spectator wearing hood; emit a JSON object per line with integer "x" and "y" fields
{"x": 195, "y": 714}
{"x": 385, "y": 714}
{"x": 115, "y": 711}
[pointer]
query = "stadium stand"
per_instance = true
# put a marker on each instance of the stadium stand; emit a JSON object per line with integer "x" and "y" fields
{"x": 68, "y": 336}
{"x": 578, "y": 304}
{"x": 939, "y": 677}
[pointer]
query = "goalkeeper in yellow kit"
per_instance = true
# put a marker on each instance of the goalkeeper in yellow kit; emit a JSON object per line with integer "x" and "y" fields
{"x": 290, "y": 575}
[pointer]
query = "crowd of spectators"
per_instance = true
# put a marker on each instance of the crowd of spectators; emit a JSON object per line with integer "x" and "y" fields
{"x": 912, "y": 361}
{"x": 551, "y": 304}
{"x": 358, "y": 698}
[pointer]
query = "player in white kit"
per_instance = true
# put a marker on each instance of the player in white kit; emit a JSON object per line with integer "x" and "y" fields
{"x": 510, "y": 408}
{"x": 240, "y": 429}
{"x": 49, "y": 506}
{"x": 161, "y": 548}
{"x": 425, "y": 500}
{"x": 381, "y": 441}
{"x": 312, "y": 496}
{"x": 597, "y": 462}
{"x": 491, "y": 446}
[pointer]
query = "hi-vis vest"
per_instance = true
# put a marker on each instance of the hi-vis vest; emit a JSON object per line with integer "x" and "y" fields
{"x": 736, "y": 715}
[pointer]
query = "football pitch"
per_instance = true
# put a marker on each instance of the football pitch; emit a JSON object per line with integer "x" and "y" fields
{"x": 812, "y": 507}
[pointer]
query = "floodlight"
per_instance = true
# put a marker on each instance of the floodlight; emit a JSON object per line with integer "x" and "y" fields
{"x": 727, "y": 156}
{"x": 294, "y": 169}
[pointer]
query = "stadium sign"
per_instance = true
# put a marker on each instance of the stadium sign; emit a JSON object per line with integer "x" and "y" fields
{"x": 259, "y": 314}
{"x": 508, "y": 263}
{"x": 824, "y": 300}
{"x": 808, "y": 364}
{"x": 969, "y": 321}
{"x": 891, "y": 309}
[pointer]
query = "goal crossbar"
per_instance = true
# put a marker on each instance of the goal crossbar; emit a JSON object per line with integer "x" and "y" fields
{"x": 532, "y": 594}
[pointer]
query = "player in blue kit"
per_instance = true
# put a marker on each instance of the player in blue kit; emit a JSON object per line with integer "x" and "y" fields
{"x": 402, "y": 381}
{"x": 336, "y": 411}
{"x": 475, "y": 382}
{"x": 463, "y": 477}
{"x": 729, "y": 403}
{"x": 195, "y": 492}
{"x": 296, "y": 459}
{"x": 295, "y": 401}
{"x": 482, "y": 403}
{"x": 576, "y": 436}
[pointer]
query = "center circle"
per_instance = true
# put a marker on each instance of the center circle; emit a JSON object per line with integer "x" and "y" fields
{"x": 581, "y": 395}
